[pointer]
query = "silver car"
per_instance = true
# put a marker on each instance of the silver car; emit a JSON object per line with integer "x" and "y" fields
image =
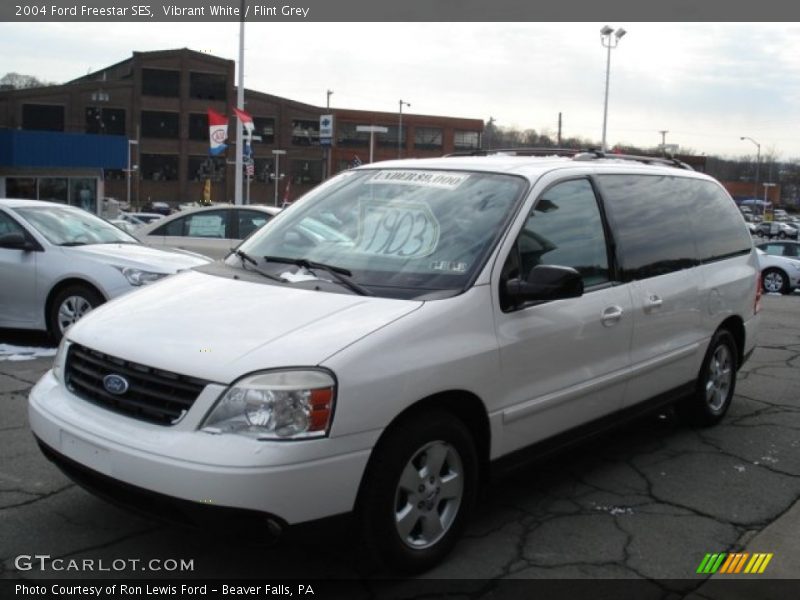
{"x": 58, "y": 262}
{"x": 208, "y": 230}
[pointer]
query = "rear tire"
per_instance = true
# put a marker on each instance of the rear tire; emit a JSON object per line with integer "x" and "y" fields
{"x": 418, "y": 491}
{"x": 69, "y": 305}
{"x": 715, "y": 385}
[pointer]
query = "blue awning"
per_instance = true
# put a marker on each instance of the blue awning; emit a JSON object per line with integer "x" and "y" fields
{"x": 54, "y": 149}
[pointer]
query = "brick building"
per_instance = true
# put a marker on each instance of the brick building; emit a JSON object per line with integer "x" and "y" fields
{"x": 159, "y": 101}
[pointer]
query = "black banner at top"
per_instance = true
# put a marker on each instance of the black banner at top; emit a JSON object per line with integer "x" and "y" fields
{"x": 395, "y": 11}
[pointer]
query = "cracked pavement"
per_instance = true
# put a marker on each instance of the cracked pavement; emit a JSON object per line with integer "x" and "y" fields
{"x": 645, "y": 502}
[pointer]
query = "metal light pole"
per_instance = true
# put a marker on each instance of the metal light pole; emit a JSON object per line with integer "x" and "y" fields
{"x": 237, "y": 181}
{"x": 400, "y": 130}
{"x": 372, "y": 130}
{"x": 608, "y": 42}
{"x": 758, "y": 163}
{"x": 130, "y": 143}
{"x": 277, "y": 173}
{"x": 328, "y": 152}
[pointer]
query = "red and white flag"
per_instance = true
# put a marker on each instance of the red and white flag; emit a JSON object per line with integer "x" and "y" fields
{"x": 217, "y": 132}
{"x": 246, "y": 120}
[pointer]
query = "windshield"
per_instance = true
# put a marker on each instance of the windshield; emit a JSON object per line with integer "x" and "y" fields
{"x": 398, "y": 233}
{"x": 66, "y": 226}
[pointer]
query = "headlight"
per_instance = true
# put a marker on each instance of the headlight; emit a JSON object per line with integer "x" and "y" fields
{"x": 139, "y": 277}
{"x": 276, "y": 405}
{"x": 60, "y": 359}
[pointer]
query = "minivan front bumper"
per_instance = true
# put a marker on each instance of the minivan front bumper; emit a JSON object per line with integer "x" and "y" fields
{"x": 292, "y": 481}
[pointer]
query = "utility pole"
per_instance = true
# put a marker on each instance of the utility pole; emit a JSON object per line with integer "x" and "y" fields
{"x": 558, "y": 144}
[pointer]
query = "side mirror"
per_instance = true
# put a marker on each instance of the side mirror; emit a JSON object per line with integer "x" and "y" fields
{"x": 544, "y": 283}
{"x": 15, "y": 241}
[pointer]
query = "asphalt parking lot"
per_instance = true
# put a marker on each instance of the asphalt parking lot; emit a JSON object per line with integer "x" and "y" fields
{"x": 649, "y": 501}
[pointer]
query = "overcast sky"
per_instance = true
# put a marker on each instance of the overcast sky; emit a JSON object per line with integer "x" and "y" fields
{"x": 707, "y": 84}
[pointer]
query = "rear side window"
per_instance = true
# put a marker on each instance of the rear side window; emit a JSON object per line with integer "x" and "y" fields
{"x": 652, "y": 221}
{"x": 719, "y": 226}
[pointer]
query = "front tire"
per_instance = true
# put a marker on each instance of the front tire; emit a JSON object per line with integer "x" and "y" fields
{"x": 715, "y": 385}
{"x": 775, "y": 281}
{"x": 418, "y": 491}
{"x": 69, "y": 305}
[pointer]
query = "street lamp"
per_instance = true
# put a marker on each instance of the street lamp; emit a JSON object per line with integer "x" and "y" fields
{"x": 277, "y": 174}
{"x": 400, "y": 130}
{"x": 128, "y": 171}
{"x": 609, "y": 41}
{"x": 758, "y": 163}
{"x": 372, "y": 130}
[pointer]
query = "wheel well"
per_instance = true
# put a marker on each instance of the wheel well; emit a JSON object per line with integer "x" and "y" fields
{"x": 465, "y": 406}
{"x": 65, "y": 284}
{"x": 736, "y": 327}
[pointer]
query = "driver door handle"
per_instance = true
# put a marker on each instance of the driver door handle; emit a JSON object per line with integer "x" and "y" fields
{"x": 612, "y": 315}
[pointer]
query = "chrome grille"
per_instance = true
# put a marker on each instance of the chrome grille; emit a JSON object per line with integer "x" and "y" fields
{"x": 152, "y": 394}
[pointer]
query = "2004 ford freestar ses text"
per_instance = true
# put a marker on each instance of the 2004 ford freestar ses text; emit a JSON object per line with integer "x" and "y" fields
{"x": 446, "y": 313}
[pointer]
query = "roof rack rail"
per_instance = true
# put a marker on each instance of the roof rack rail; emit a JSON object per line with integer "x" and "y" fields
{"x": 583, "y": 154}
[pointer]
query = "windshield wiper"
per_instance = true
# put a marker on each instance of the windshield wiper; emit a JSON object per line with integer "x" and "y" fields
{"x": 340, "y": 274}
{"x": 247, "y": 258}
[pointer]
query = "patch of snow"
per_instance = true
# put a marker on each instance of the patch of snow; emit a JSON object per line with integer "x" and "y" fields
{"x": 740, "y": 468}
{"x": 18, "y": 353}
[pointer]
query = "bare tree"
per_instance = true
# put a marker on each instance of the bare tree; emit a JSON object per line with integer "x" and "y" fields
{"x": 18, "y": 81}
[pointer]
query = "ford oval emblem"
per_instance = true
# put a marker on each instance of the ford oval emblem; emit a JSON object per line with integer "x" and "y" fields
{"x": 115, "y": 384}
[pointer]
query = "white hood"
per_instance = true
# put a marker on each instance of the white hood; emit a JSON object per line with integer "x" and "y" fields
{"x": 138, "y": 256}
{"x": 219, "y": 329}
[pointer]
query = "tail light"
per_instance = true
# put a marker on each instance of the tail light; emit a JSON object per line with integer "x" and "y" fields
{"x": 759, "y": 288}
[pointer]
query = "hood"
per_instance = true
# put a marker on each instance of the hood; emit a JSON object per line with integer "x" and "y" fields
{"x": 218, "y": 329}
{"x": 138, "y": 256}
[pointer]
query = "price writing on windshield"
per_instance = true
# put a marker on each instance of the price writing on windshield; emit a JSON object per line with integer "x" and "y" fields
{"x": 402, "y": 230}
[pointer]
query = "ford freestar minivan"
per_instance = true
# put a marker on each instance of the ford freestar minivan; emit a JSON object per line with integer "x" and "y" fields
{"x": 381, "y": 343}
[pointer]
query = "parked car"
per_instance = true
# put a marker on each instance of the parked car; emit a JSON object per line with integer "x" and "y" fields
{"x": 468, "y": 309}
{"x": 780, "y": 273}
{"x": 208, "y": 230}
{"x": 162, "y": 208}
{"x": 776, "y": 229}
{"x": 59, "y": 262}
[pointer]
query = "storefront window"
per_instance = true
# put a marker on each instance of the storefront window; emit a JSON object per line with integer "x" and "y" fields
{"x": 160, "y": 124}
{"x": 428, "y": 138}
{"x": 208, "y": 86}
{"x": 306, "y": 171}
{"x": 53, "y": 189}
{"x": 83, "y": 194}
{"x": 107, "y": 121}
{"x": 305, "y": 133}
{"x": 21, "y": 187}
{"x": 161, "y": 82}
{"x": 265, "y": 128}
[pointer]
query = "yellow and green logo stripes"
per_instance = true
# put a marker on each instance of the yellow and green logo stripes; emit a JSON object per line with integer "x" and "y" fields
{"x": 734, "y": 563}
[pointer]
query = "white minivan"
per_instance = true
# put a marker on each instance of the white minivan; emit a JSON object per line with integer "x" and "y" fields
{"x": 450, "y": 313}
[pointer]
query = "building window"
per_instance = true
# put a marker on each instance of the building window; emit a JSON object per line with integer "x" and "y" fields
{"x": 389, "y": 138}
{"x": 107, "y": 121}
{"x": 43, "y": 117}
{"x": 21, "y": 187}
{"x": 53, "y": 189}
{"x": 114, "y": 174}
{"x": 207, "y": 167}
{"x": 198, "y": 126}
{"x": 305, "y": 171}
{"x": 305, "y": 133}
{"x": 208, "y": 86}
{"x": 348, "y": 135}
{"x": 467, "y": 140}
{"x": 83, "y": 194}
{"x": 159, "y": 167}
{"x": 264, "y": 127}
{"x": 428, "y": 138}
{"x": 160, "y": 124}
{"x": 264, "y": 168}
{"x": 160, "y": 82}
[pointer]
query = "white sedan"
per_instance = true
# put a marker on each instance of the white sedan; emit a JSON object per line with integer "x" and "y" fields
{"x": 58, "y": 262}
{"x": 208, "y": 230}
{"x": 779, "y": 274}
